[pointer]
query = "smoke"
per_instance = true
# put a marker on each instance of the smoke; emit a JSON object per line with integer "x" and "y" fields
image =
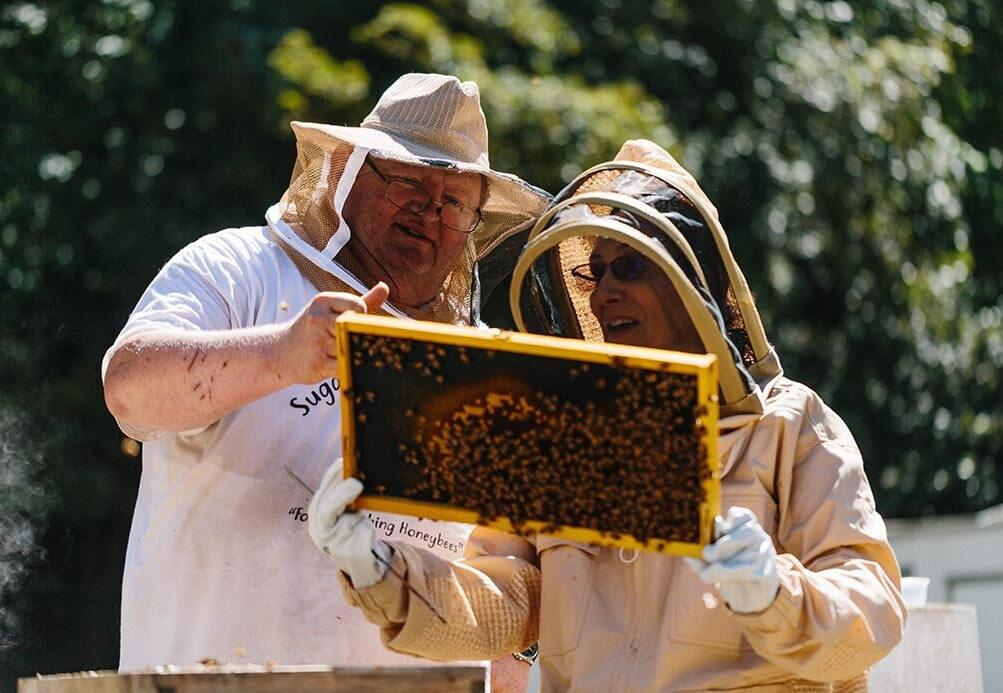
{"x": 23, "y": 504}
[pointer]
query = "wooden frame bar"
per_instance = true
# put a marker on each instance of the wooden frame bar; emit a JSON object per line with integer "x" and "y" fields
{"x": 702, "y": 367}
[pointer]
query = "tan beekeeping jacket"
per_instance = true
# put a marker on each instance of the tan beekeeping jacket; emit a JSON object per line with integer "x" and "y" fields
{"x": 605, "y": 624}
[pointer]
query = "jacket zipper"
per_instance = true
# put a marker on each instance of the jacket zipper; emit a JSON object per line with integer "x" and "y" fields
{"x": 627, "y": 660}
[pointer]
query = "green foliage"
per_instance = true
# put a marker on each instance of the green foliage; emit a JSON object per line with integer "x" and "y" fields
{"x": 819, "y": 129}
{"x": 301, "y": 62}
{"x": 535, "y": 120}
{"x": 851, "y": 147}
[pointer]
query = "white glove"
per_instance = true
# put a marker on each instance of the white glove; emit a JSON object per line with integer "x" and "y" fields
{"x": 741, "y": 562}
{"x": 347, "y": 537}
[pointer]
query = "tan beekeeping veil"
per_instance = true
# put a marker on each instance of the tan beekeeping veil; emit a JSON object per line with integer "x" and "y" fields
{"x": 647, "y": 201}
{"x": 422, "y": 119}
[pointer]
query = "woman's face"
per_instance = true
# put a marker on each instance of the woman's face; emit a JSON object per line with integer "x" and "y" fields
{"x": 636, "y": 303}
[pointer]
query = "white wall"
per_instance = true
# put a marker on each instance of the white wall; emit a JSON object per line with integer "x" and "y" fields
{"x": 963, "y": 557}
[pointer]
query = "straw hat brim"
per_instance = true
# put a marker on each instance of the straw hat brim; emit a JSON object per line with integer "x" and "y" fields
{"x": 510, "y": 200}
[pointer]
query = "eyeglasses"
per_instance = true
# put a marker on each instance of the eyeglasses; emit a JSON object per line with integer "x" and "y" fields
{"x": 405, "y": 195}
{"x": 626, "y": 268}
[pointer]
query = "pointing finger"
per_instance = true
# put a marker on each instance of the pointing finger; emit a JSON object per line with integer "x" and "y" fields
{"x": 375, "y": 297}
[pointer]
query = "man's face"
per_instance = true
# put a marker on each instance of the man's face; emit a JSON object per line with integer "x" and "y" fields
{"x": 408, "y": 247}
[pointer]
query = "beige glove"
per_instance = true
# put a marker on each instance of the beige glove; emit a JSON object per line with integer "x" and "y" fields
{"x": 347, "y": 537}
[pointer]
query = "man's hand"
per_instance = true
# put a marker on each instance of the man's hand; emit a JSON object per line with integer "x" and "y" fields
{"x": 347, "y": 537}
{"x": 741, "y": 562}
{"x": 307, "y": 346}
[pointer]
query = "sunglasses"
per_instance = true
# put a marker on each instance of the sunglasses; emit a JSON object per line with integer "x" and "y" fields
{"x": 626, "y": 268}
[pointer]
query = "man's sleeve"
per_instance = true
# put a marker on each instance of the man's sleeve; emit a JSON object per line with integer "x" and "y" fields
{"x": 201, "y": 288}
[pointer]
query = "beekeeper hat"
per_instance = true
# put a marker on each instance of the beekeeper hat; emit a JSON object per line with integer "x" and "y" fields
{"x": 421, "y": 119}
{"x": 647, "y": 201}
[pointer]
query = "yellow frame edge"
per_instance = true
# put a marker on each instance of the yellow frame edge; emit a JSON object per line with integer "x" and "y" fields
{"x": 704, "y": 366}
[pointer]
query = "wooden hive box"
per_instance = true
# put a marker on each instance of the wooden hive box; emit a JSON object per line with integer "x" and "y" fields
{"x": 232, "y": 678}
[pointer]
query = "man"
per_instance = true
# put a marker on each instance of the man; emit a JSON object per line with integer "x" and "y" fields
{"x": 225, "y": 370}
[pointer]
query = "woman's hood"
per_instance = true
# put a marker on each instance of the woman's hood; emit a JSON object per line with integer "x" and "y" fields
{"x": 708, "y": 239}
{"x": 647, "y": 201}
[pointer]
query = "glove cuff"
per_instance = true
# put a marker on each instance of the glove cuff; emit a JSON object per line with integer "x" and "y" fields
{"x": 371, "y": 569}
{"x": 756, "y": 609}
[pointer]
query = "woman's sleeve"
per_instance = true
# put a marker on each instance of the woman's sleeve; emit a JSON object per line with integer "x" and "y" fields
{"x": 490, "y": 605}
{"x": 839, "y": 609}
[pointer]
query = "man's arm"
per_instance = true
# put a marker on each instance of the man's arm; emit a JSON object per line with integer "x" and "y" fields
{"x": 181, "y": 380}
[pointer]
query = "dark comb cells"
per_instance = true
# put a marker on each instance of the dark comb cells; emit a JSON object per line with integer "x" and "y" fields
{"x": 570, "y": 444}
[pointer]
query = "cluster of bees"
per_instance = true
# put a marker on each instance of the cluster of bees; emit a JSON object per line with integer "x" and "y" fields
{"x": 616, "y": 450}
{"x": 381, "y": 352}
{"x": 386, "y": 352}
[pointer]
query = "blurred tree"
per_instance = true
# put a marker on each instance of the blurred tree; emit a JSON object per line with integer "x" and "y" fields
{"x": 851, "y": 147}
{"x": 120, "y": 144}
{"x": 837, "y": 140}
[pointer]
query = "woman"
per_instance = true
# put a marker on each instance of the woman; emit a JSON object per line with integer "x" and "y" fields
{"x": 800, "y": 589}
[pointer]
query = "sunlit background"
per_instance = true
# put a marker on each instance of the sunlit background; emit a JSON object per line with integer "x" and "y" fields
{"x": 852, "y": 148}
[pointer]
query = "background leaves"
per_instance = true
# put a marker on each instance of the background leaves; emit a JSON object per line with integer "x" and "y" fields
{"x": 852, "y": 149}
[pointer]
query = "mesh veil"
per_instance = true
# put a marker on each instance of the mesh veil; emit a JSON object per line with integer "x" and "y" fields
{"x": 307, "y": 221}
{"x": 309, "y": 208}
{"x": 674, "y": 205}
{"x": 661, "y": 204}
